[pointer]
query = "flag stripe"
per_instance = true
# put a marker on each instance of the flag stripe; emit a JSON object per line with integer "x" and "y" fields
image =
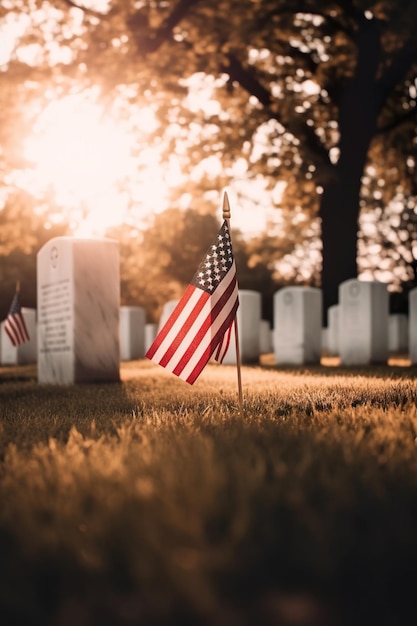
{"x": 176, "y": 322}
{"x": 170, "y": 322}
{"x": 202, "y": 320}
{"x": 187, "y": 318}
{"x": 223, "y": 346}
{"x": 14, "y": 324}
{"x": 207, "y": 338}
{"x": 10, "y": 331}
{"x": 183, "y": 331}
{"x": 23, "y": 333}
{"x": 199, "y": 334}
{"x": 209, "y": 351}
{"x": 191, "y": 340}
{"x": 15, "y": 327}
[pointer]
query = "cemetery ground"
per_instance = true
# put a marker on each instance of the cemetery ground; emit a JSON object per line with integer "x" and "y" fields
{"x": 152, "y": 502}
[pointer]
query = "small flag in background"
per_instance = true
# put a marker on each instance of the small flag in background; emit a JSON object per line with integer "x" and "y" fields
{"x": 14, "y": 324}
{"x": 201, "y": 323}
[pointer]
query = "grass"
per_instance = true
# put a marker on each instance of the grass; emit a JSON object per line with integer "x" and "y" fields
{"x": 153, "y": 502}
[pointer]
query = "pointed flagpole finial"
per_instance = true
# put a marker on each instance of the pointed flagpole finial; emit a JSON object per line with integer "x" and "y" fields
{"x": 226, "y": 207}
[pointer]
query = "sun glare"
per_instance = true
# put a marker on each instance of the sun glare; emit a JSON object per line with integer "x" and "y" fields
{"x": 98, "y": 177}
{"x": 85, "y": 158}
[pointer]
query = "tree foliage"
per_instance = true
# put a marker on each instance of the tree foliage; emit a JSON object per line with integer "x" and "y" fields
{"x": 22, "y": 235}
{"x": 158, "y": 262}
{"x": 318, "y": 97}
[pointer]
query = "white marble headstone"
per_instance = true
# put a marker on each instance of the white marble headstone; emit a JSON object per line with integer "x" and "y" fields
{"x": 132, "y": 333}
{"x": 333, "y": 328}
{"x": 25, "y": 353}
{"x": 297, "y": 325}
{"x": 249, "y": 321}
{"x": 363, "y": 322}
{"x": 8, "y": 352}
{"x": 151, "y": 331}
{"x": 398, "y": 333}
{"x": 78, "y": 286}
{"x": 265, "y": 337}
{"x": 412, "y": 325}
{"x": 167, "y": 309}
{"x": 325, "y": 340}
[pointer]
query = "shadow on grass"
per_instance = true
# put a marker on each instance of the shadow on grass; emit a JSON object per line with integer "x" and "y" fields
{"x": 31, "y": 413}
{"x": 396, "y": 367}
{"x": 145, "y": 502}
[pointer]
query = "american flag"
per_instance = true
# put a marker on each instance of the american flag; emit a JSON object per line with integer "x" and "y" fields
{"x": 200, "y": 325}
{"x": 14, "y": 324}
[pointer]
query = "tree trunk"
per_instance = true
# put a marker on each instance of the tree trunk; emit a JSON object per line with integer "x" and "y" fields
{"x": 340, "y": 204}
{"x": 339, "y": 227}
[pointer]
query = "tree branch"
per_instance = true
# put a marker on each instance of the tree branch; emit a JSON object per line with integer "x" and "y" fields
{"x": 398, "y": 121}
{"x": 249, "y": 82}
{"x": 139, "y": 26}
{"x": 87, "y": 11}
{"x": 397, "y": 70}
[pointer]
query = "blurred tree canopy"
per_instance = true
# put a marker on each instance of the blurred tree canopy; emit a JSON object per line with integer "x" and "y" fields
{"x": 317, "y": 97}
{"x": 156, "y": 263}
{"x": 22, "y": 234}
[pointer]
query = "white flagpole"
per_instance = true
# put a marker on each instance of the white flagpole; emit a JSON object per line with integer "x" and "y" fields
{"x": 226, "y": 216}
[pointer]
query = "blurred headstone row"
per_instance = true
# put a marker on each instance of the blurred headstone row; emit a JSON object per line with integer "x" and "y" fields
{"x": 80, "y": 333}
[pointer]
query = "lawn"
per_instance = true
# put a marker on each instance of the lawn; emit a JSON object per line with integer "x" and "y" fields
{"x": 152, "y": 502}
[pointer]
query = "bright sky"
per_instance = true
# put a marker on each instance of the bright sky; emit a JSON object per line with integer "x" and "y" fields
{"x": 84, "y": 157}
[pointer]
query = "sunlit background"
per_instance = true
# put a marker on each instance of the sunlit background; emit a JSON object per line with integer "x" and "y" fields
{"x": 85, "y": 157}
{"x": 89, "y": 158}
{"x": 94, "y": 144}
